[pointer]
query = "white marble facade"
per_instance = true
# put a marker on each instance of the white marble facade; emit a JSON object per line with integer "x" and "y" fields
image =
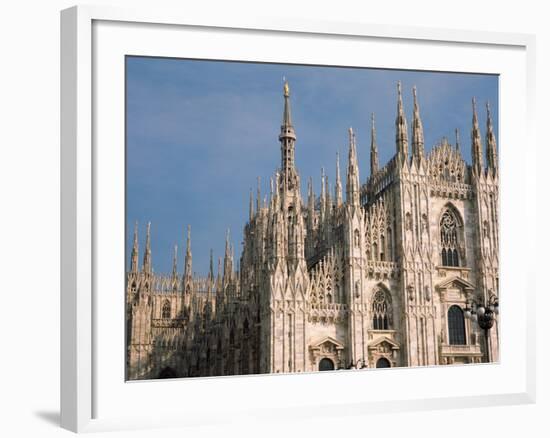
{"x": 379, "y": 277}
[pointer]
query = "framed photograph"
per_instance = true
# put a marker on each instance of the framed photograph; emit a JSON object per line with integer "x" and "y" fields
{"x": 247, "y": 204}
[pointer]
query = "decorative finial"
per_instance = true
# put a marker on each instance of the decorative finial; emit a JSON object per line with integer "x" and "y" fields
{"x": 175, "y": 261}
{"x": 136, "y": 234}
{"x": 286, "y": 89}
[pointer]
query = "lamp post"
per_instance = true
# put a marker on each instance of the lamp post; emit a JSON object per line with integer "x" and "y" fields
{"x": 485, "y": 317}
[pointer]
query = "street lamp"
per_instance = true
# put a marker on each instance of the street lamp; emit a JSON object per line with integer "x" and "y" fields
{"x": 485, "y": 317}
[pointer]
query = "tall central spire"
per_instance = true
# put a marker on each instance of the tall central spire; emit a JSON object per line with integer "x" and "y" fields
{"x": 287, "y": 137}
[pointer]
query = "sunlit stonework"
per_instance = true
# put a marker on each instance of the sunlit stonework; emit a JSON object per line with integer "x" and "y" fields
{"x": 380, "y": 279}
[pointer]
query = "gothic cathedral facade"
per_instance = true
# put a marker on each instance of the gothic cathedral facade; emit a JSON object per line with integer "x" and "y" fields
{"x": 381, "y": 278}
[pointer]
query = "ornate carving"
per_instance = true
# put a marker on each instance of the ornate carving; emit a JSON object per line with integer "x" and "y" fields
{"x": 427, "y": 293}
{"x": 410, "y": 292}
{"x": 408, "y": 222}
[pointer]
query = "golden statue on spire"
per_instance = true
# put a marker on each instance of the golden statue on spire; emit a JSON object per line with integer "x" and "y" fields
{"x": 286, "y": 89}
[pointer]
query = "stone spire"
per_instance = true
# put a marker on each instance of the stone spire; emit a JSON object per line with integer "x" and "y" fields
{"x": 373, "y": 148}
{"x": 401, "y": 136}
{"x": 271, "y": 197}
{"x": 188, "y": 269}
{"x": 227, "y": 261}
{"x": 457, "y": 140}
{"x": 338, "y": 185}
{"x": 311, "y": 205}
{"x": 328, "y": 200}
{"x": 211, "y": 270}
{"x": 287, "y": 137}
{"x": 219, "y": 283}
{"x": 135, "y": 251}
{"x": 147, "y": 255}
{"x": 296, "y": 240}
{"x": 417, "y": 132}
{"x": 258, "y": 197}
{"x": 175, "y": 263}
{"x": 210, "y": 279}
{"x": 491, "y": 144}
{"x": 352, "y": 183}
{"x": 251, "y": 207}
{"x": 477, "y": 154}
{"x": 322, "y": 199}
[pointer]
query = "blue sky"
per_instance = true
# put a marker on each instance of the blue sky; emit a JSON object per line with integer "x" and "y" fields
{"x": 199, "y": 133}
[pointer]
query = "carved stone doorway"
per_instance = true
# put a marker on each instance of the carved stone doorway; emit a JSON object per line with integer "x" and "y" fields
{"x": 326, "y": 364}
{"x": 167, "y": 373}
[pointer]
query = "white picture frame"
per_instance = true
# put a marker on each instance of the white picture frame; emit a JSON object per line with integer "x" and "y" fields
{"x": 89, "y": 400}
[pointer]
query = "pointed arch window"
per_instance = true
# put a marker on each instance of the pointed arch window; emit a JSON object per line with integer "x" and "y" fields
{"x": 448, "y": 227}
{"x": 381, "y": 310}
{"x": 457, "y": 329}
{"x": 166, "y": 310}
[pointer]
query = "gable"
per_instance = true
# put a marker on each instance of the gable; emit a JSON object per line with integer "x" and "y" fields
{"x": 329, "y": 340}
{"x": 383, "y": 340}
{"x": 456, "y": 283}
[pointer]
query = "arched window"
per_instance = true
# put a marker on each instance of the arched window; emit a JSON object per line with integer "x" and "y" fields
{"x": 457, "y": 329}
{"x": 382, "y": 248}
{"x": 455, "y": 257}
{"x": 448, "y": 226}
{"x": 381, "y": 310}
{"x": 166, "y": 310}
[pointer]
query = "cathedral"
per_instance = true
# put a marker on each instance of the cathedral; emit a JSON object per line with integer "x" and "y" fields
{"x": 382, "y": 277}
